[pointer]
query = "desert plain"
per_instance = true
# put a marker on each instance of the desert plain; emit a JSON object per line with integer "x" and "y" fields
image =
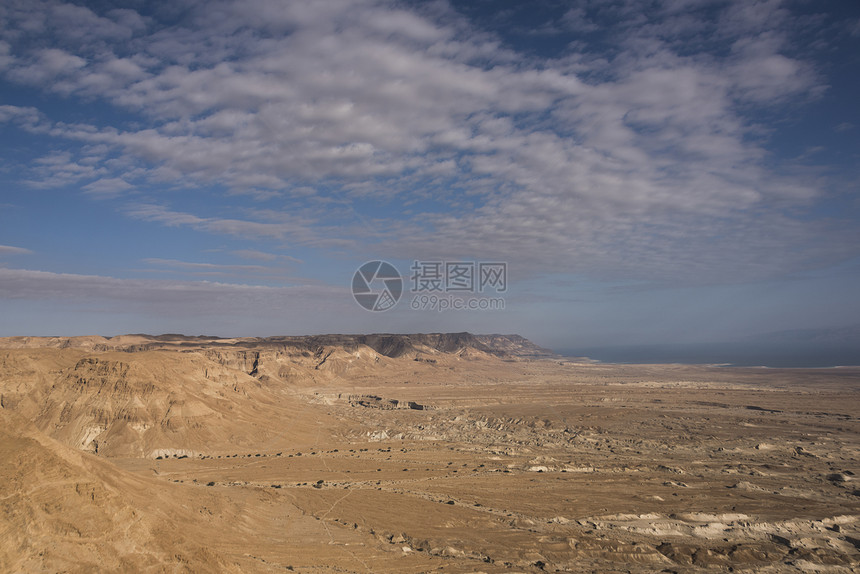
{"x": 416, "y": 453}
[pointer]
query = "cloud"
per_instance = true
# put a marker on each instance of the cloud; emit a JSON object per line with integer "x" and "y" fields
{"x": 187, "y": 298}
{"x": 290, "y": 228}
{"x": 70, "y": 23}
{"x": 11, "y": 250}
{"x": 48, "y": 65}
{"x": 642, "y": 154}
{"x": 29, "y": 117}
{"x": 257, "y": 255}
{"x": 38, "y": 301}
{"x": 59, "y": 169}
{"x": 217, "y": 269}
{"x": 107, "y": 187}
{"x": 764, "y": 75}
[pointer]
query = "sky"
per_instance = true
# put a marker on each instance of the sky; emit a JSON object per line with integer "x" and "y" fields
{"x": 662, "y": 171}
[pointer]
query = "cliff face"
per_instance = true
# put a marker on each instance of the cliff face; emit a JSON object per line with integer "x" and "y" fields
{"x": 146, "y": 396}
{"x": 151, "y": 403}
{"x": 515, "y": 346}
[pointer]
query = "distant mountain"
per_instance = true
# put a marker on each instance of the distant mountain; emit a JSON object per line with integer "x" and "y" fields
{"x": 386, "y": 344}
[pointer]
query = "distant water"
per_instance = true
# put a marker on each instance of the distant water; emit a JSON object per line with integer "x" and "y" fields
{"x": 735, "y": 354}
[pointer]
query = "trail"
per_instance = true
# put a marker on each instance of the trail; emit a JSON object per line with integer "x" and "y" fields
{"x": 331, "y": 539}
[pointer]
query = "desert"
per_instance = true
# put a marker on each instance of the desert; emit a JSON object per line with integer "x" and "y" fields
{"x": 416, "y": 453}
{"x": 448, "y": 286}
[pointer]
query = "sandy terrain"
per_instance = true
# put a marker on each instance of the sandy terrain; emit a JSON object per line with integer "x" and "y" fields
{"x": 416, "y": 454}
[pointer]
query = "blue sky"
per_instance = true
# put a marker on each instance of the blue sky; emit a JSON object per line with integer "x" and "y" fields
{"x": 651, "y": 172}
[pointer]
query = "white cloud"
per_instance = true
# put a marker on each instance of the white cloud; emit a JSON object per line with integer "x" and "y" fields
{"x": 238, "y": 227}
{"x": 188, "y": 298}
{"x": 248, "y": 272}
{"x": 60, "y": 169}
{"x": 12, "y": 250}
{"x": 29, "y": 117}
{"x": 257, "y": 255}
{"x": 644, "y": 158}
{"x": 107, "y": 187}
{"x": 762, "y": 74}
{"x": 290, "y": 228}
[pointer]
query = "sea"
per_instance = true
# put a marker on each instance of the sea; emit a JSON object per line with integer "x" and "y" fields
{"x": 727, "y": 354}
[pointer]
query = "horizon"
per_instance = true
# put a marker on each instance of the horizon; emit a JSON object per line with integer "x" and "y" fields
{"x": 592, "y": 175}
{"x": 761, "y": 352}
